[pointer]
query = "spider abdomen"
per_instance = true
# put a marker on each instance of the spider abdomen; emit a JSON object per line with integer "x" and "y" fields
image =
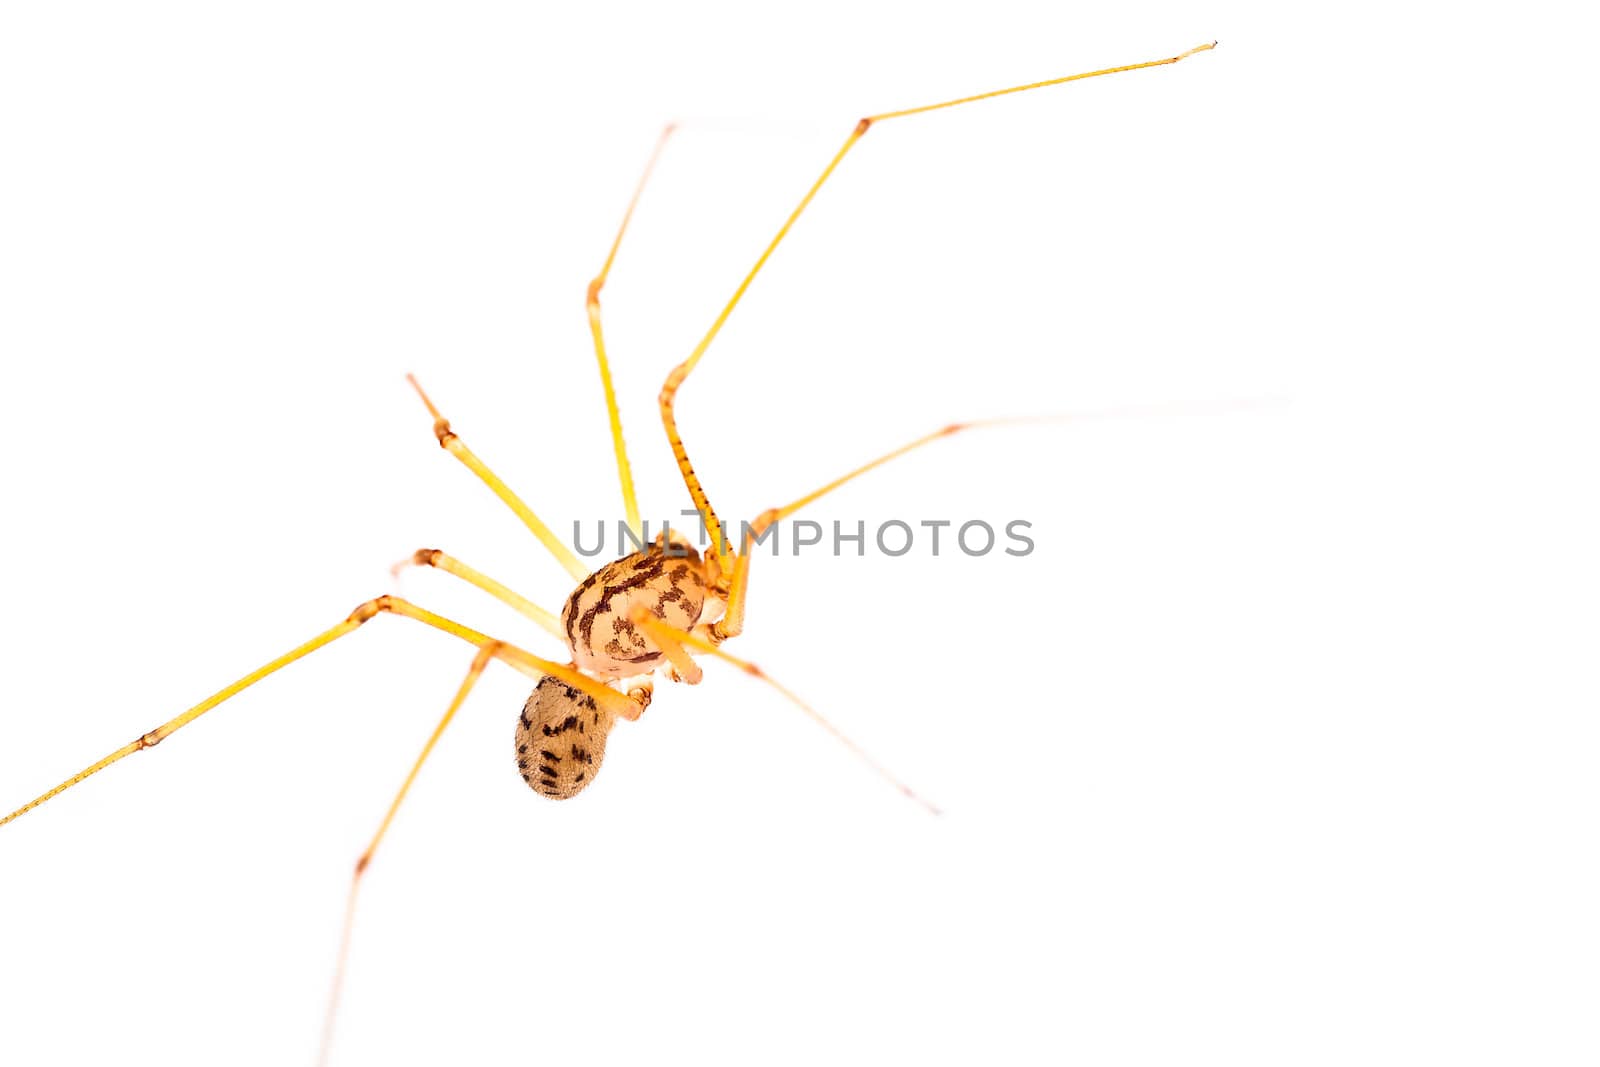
{"x": 561, "y": 739}
{"x": 604, "y": 640}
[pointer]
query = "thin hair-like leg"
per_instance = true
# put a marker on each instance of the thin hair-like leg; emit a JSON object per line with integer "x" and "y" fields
{"x": 732, "y": 622}
{"x": 453, "y": 445}
{"x": 486, "y": 653}
{"x": 674, "y": 643}
{"x": 432, "y": 557}
{"x": 630, "y": 502}
{"x": 526, "y": 662}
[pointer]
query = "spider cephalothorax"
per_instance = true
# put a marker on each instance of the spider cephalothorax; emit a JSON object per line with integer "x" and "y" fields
{"x": 667, "y": 579}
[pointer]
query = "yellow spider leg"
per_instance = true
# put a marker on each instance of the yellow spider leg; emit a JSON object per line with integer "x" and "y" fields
{"x": 630, "y": 503}
{"x": 529, "y": 664}
{"x": 432, "y": 557}
{"x": 667, "y": 639}
{"x": 675, "y": 378}
{"x": 732, "y": 622}
{"x": 452, "y": 444}
{"x": 673, "y": 643}
{"x": 1208, "y": 46}
{"x": 479, "y": 662}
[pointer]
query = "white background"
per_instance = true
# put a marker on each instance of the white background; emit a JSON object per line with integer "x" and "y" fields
{"x": 1280, "y": 747}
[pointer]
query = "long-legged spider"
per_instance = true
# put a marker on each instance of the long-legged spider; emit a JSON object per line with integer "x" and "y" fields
{"x": 648, "y": 611}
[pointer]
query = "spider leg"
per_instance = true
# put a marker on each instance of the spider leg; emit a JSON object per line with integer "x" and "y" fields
{"x": 630, "y": 502}
{"x": 432, "y": 557}
{"x": 675, "y": 644}
{"x": 526, "y": 662}
{"x": 675, "y": 378}
{"x": 732, "y": 622}
{"x": 486, "y": 652}
{"x": 453, "y": 445}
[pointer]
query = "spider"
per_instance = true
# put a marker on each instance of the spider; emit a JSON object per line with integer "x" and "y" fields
{"x": 650, "y": 611}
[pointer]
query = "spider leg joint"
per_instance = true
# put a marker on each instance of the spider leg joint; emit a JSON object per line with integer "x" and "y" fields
{"x": 370, "y": 609}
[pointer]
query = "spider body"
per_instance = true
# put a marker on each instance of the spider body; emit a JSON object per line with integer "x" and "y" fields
{"x": 561, "y": 733}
